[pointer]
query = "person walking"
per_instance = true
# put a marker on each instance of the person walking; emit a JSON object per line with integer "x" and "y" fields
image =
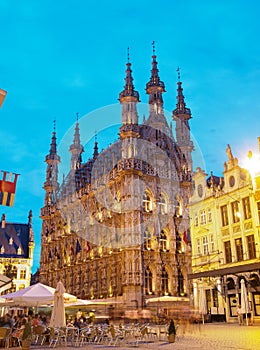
{"x": 239, "y": 315}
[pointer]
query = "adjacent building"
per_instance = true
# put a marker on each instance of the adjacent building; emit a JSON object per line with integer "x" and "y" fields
{"x": 225, "y": 214}
{"x": 117, "y": 226}
{"x": 16, "y": 253}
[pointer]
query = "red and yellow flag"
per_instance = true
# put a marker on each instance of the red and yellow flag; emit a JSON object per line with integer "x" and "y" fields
{"x": 2, "y": 96}
{"x": 7, "y": 188}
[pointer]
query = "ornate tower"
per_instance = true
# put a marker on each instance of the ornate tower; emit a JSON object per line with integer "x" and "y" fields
{"x": 76, "y": 149}
{"x": 51, "y": 184}
{"x": 129, "y": 130}
{"x": 155, "y": 89}
{"x": 31, "y": 236}
{"x": 182, "y": 115}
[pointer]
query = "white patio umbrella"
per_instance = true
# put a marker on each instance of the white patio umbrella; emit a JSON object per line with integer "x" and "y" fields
{"x": 36, "y": 295}
{"x": 245, "y": 309}
{"x": 58, "y": 311}
{"x": 202, "y": 303}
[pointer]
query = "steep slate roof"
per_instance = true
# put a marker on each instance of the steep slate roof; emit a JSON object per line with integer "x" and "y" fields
{"x": 13, "y": 236}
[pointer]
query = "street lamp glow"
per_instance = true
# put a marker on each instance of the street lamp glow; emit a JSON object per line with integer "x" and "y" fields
{"x": 252, "y": 164}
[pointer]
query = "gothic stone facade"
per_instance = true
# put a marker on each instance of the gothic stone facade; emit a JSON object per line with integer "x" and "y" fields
{"x": 116, "y": 227}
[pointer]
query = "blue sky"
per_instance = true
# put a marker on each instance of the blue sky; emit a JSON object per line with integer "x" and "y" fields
{"x": 62, "y": 57}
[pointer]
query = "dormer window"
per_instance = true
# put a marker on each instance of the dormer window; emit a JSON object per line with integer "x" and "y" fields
{"x": 11, "y": 241}
{"x": 2, "y": 251}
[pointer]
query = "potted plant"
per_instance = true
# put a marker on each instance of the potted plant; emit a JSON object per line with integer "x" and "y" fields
{"x": 171, "y": 332}
{"x": 27, "y": 335}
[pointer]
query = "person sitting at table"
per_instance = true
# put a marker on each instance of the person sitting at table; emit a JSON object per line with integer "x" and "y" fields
{"x": 76, "y": 323}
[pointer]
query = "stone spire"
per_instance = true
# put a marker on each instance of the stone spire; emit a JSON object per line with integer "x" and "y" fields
{"x": 155, "y": 89}
{"x": 181, "y": 114}
{"x": 51, "y": 184}
{"x": 129, "y": 90}
{"x": 95, "y": 154}
{"x": 76, "y": 149}
{"x": 129, "y": 131}
{"x": 128, "y": 98}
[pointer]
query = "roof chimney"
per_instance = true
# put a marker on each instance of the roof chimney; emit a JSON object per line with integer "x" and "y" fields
{"x": 3, "y": 221}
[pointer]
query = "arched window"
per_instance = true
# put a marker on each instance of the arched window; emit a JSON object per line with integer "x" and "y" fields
{"x": 147, "y": 239}
{"x": 165, "y": 282}
{"x": 230, "y": 283}
{"x": 178, "y": 206}
{"x": 147, "y": 201}
{"x": 148, "y": 281}
{"x": 180, "y": 283}
{"x": 162, "y": 204}
{"x": 163, "y": 241}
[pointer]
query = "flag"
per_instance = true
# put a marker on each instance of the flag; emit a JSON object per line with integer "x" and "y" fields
{"x": 7, "y": 188}
{"x": 185, "y": 238}
{"x": 2, "y": 96}
{"x": 78, "y": 247}
{"x": 87, "y": 247}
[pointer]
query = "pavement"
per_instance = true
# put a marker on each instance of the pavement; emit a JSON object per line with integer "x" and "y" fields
{"x": 210, "y": 336}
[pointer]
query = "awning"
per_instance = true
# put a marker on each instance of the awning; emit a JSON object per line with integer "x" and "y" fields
{"x": 5, "y": 283}
{"x": 226, "y": 271}
{"x": 166, "y": 298}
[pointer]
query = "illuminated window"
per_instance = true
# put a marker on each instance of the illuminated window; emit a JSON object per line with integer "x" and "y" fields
{"x": 148, "y": 281}
{"x": 212, "y": 243}
{"x": 246, "y": 208}
{"x": 203, "y": 217}
{"x": 215, "y": 297}
{"x": 224, "y": 215}
{"x": 196, "y": 223}
{"x": 228, "y": 253}
{"x": 198, "y": 246}
{"x": 205, "y": 245}
{"x": 147, "y": 239}
{"x": 165, "y": 282}
{"x": 162, "y": 204}
{"x": 209, "y": 215}
{"x": 239, "y": 249}
{"x": 180, "y": 283}
{"x": 147, "y": 201}
{"x": 258, "y": 209}
{"x": 163, "y": 241}
{"x": 251, "y": 246}
{"x": 235, "y": 212}
{"x": 23, "y": 274}
{"x": 14, "y": 272}
{"x": 178, "y": 207}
